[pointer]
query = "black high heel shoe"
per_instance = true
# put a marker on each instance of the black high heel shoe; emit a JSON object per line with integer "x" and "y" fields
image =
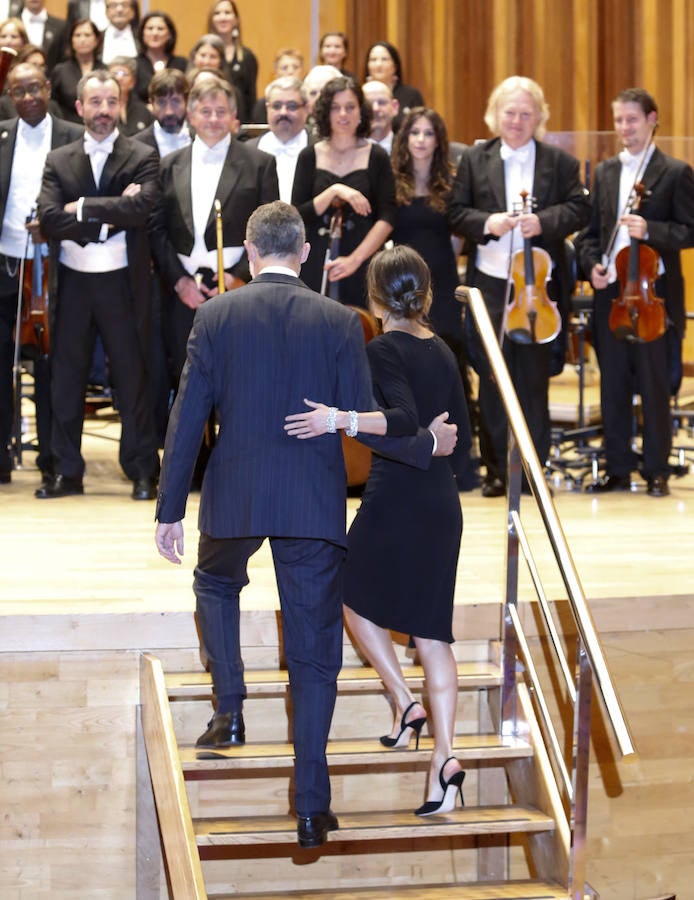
{"x": 453, "y": 786}
{"x": 403, "y": 738}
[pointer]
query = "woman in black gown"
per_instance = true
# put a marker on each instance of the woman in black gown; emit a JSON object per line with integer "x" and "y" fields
{"x": 402, "y": 548}
{"x": 346, "y": 168}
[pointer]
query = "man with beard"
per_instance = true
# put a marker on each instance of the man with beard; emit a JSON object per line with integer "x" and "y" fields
{"x": 286, "y": 115}
{"x": 168, "y": 95}
{"x": 94, "y": 204}
{"x": 24, "y": 143}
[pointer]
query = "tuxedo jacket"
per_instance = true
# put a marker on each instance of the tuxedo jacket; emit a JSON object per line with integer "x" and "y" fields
{"x": 248, "y": 179}
{"x": 563, "y": 205}
{"x": 667, "y": 207}
{"x": 62, "y": 133}
{"x": 254, "y": 354}
{"x": 68, "y": 176}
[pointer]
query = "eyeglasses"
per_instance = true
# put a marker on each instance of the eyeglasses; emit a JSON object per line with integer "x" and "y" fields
{"x": 33, "y": 90}
{"x": 290, "y": 105}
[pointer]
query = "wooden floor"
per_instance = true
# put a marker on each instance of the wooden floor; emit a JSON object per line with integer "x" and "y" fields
{"x": 67, "y": 562}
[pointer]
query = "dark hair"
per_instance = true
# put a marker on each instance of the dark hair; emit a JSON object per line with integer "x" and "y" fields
{"x": 640, "y": 96}
{"x": 441, "y": 171}
{"x": 167, "y": 82}
{"x": 173, "y": 34}
{"x": 399, "y": 281}
{"x": 339, "y": 34}
{"x": 25, "y": 52}
{"x": 95, "y": 31}
{"x": 321, "y": 108}
{"x": 276, "y": 229}
{"x": 103, "y": 76}
{"x": 394, "y": 55}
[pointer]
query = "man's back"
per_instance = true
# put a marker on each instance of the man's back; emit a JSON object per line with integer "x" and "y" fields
{"x": 255, "y": 354}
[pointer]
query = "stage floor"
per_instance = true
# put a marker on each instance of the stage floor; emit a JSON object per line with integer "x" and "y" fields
{"x": 96, "y": 554}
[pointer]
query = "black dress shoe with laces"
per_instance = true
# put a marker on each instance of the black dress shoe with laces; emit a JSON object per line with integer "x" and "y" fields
{"x": 311, "y": 831}
{"x": 59, "y": 486}
{"x": 144, "y": 489}
{"x": 657, "y": 486}
{"x": 609, "y": 483}
{"x": 223, "y": 730}
{"x": 493, "y": 486}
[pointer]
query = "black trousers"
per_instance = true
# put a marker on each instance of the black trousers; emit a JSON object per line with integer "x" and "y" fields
{"x": 627, "y": 368}
{"x": 309, "y": 579}
{"x": 89, "y": 303}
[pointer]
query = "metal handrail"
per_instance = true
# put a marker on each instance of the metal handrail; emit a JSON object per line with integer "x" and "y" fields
{"x": 535, "y": 474}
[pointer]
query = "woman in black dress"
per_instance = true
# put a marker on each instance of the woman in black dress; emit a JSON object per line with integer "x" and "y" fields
{"x": 383, "y": 64}
{"x": 240, "y": 65}
{"x": 345, "y": 168}
{"x": 83, "y": 55}
{"x": 402, "y": 548}
{"x": 157, "y": 38}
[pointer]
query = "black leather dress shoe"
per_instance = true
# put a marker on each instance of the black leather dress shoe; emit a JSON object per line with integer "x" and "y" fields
{"x": 59, "y": 486}
{"x": 493, "y": 486}
{"x": 5, "y": 477}
{"x": 609, "y": 483}
{"x": 223, "y": 730}
{"x": 311, "y": 830}
{"x": 657, "y": 486}
{"x": 144, "y": 489}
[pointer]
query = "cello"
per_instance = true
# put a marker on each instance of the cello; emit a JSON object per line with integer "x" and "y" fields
{"x": 531, "y": 317}
{"x": 357, "y": 456}
{"x": 637, "y": 314}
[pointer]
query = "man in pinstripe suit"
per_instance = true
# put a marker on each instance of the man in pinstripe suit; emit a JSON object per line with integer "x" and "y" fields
{"x": 254, "y": 355}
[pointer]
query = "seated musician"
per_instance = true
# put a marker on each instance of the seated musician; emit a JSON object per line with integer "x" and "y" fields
{"x": 486, "y": 189}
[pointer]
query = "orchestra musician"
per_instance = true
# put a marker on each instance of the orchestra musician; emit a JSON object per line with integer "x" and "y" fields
{"x": 665, "y": 222}
{"x": 488, "y": 182}
{"x": 24, "y": 144}
{"x": 95, "y": 199}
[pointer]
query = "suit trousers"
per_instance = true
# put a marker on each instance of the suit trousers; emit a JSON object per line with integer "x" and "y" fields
{"x": 309, "y": 580}
{"x": 88, "y": 303}
{"x": 627, "y": 368}
{"x": 529, "y": 368}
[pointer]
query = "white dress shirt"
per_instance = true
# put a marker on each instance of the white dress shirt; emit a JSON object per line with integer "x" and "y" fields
{"x": 35, "y": 25}
{"x": 631, "y": 166}
{"x": 493, "y": 258}
{"x": 206, "y": 170}
{"x": 167, "y": 142}
{"x": 118, "y": 42}
{"x": 286, "y": 156}
{"x": 30, "y": 149}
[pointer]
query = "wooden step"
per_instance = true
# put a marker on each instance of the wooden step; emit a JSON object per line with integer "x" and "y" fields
{"x": 265, "y": 682}
{"x": 467, "y": 748}
{"x": 390, "y": 825}
{"x": 491, "y": 890}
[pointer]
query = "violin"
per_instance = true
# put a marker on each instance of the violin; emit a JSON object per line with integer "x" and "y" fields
{"x": 357, "y": 456}
{"x": 637, "y": 314}
{"x": 531, "y": 317}
{"x": 34, "y": 321}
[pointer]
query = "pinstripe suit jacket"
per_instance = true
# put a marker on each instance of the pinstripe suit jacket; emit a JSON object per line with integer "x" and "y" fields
{"x": 254, "y": 354}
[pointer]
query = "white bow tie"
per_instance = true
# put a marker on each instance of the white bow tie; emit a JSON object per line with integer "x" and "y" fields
{"x": 37, "y": 20}
{"x": 96, "y": 148}
{"x": 521, "y": 155}
{"x": 214, "y": 154}
{"x": 629, "y": 161}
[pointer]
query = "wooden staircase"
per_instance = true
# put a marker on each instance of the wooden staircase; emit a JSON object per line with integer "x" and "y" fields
{"x": 225, "y": 821}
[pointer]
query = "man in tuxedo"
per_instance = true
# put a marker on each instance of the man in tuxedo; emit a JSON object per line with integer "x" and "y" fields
{"x": 254, "y": 355}
{"x": 24, "y": 144}
{"x": 664, "y": 222}
{"x": 44, "y": 30}
{"x": 486, "y": 192}
{"x": 183, "y": 228}
{"x": 168, "y": 96}
{"x": 384, "y": 109}
{"x": 95, "y": 200}
{"x": 287, "y": 136}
